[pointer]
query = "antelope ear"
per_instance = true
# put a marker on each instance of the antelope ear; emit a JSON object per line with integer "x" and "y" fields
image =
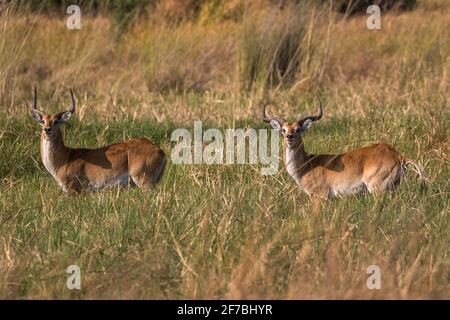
{"x": 64, "y": 116}
{"x": 306, "y": 124}
{"x": 36, "y": 115}
{"x": 275, "y": 124}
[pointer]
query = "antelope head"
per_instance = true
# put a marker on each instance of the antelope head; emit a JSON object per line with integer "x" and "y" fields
{"x": 50, "y": 123}
{"x": 292, "y": 131}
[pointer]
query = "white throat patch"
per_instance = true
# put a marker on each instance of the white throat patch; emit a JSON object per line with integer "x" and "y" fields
{"x": 291, "y": 165}
{"x": 47, "y": 159}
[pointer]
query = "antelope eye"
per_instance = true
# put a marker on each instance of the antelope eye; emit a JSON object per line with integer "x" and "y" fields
{"x": 55, "y": 122}
{"x": 298, "y": 130}
{"x": 283, "y": 130}
{"x": 42, "y": 122}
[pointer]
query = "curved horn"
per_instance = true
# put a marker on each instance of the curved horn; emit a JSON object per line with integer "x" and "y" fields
{"x": 34, "y": 99}
{"x": 35, "y": 113}
{"x": 313, "y": 118}
{"x": 267, "y": 119}
{"x": 72, "y": 102}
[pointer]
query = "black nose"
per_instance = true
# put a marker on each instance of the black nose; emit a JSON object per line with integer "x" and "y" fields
{"x": 290, "y": 136}
{"x": 47, "y": 130}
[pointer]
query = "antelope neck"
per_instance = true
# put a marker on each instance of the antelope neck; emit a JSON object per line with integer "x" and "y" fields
{"x": 53, "y": 151}
{"x": 295, "y": 160}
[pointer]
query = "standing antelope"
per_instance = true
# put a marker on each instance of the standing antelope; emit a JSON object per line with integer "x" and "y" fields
{"x": 376, "y": 168}
{"x": 136, "y": 161}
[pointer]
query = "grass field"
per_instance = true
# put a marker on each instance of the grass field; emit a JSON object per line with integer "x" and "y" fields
{"x": 226, "y": 231}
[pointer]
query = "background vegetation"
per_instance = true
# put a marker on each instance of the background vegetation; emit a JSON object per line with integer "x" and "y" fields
{"x": 224, "y": 231}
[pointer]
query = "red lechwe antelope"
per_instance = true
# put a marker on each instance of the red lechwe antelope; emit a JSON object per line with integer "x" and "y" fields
{"x": 136, "y": 161}
{"x": 376, "y": 168}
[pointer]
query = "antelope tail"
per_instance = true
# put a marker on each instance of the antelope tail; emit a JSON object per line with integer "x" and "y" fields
{"x": 417, "y": 169}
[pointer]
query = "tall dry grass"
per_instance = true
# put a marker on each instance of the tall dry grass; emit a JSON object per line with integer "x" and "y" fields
{"x": 287, "y": 55}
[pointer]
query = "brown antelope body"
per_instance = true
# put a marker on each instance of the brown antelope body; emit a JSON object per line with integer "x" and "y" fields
{"x": 133, "y": 162}
{"x": 375, "y": 169}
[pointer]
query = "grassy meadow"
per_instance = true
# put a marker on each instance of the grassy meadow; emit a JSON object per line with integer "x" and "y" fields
{"x": 226, "y": 231}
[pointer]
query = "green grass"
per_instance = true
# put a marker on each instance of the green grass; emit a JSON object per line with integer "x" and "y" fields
{"x": 223, "y": 231}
